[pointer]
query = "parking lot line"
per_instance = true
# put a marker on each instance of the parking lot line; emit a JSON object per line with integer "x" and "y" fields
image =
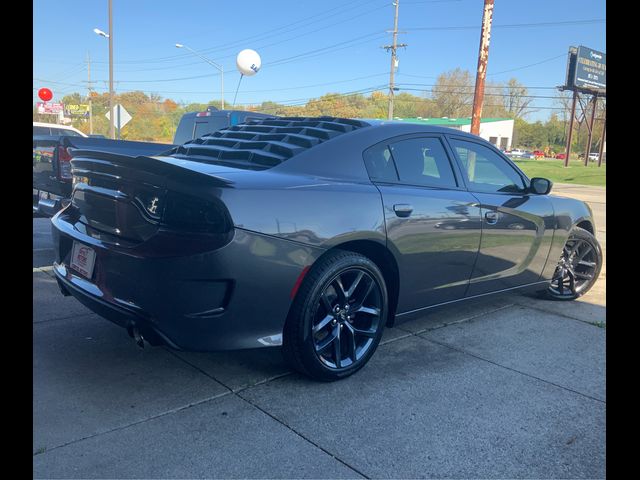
{"x": 48, "y": 268}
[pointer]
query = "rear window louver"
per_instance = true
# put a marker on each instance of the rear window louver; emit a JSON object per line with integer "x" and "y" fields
{"x": 262, "y": 144}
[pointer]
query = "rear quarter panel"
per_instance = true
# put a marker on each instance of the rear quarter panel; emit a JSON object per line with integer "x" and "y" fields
{"x": 315, "y": 211}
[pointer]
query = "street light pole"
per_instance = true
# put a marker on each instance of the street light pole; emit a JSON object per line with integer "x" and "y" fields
{"x": 213, "y": 64}
{"x": 108, "y": 36}
{"x": 112, "y": 118}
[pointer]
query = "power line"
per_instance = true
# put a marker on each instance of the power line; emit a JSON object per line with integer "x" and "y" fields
{"x": 530, "y": 107}
{"x": 530, "y": 65}
{"x": 259, "y": 47}
{"x": 299, "y": 87}
{"x": 327, "y": 49}
{"x": 286, "y": 28}
{"x": 471, "y": 86}
{"x": 422, "y": 2}
{"x": 308, "y": 32}
{"x": 470, "y": 92}
{"x": 515, "y": 25}
{"x": 305, "y": 55}
{"x": 261, "y": 36}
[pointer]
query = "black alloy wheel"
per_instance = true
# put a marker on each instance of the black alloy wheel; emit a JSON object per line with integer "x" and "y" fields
{"x": 346, "y": 318}
{"x": 337, "y": 318}
{"x": 578, "y": 268}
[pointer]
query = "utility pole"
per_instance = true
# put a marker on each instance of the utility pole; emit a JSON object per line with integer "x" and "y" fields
{"x": 89, "y": 88}
{"x": 111, "y": 115}
{"x": 394, "y": 59}
{"x": 483, "y": 58}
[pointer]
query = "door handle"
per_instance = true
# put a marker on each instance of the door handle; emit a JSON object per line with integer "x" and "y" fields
{"x": 402, "y": 209}
{"x": 491, "y": 217}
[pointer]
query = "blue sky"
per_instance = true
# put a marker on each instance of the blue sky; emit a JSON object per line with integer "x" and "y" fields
{"x": 308, "y": 48}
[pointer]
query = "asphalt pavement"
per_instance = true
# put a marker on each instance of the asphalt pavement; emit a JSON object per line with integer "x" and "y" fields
{"x": 42, "y": 243}
{"x": 505, "y": 387}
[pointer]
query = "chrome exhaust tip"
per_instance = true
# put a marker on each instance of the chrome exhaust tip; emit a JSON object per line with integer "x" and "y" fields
{"x": 134, "y": 333}
{"x": 138, "y": 338}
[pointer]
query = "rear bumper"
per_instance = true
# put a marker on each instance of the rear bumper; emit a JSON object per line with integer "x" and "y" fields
{"x": 124, "y": 317}
{"x": 233, "y": 297}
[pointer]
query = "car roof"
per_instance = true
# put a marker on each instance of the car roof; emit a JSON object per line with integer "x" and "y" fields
{"x": 55, "y": 125}
{"x": 268, "y": 142}
{"x": 399, "y": 126}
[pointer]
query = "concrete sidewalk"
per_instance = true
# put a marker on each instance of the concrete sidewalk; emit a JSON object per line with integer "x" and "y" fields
{"x": 506, "y": 387}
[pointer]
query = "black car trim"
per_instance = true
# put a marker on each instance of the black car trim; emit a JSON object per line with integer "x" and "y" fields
{"x": 528, "y": 285}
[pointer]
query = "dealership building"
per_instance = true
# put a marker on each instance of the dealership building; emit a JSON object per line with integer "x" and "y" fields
{"x": 498, "y": 131}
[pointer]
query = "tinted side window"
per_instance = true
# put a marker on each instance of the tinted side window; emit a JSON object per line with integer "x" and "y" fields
{"x": 423, "y": 161}
{"x": 379, "y": 164}
{"x": 41, "y": 131}
{"x": 485, "y": 170}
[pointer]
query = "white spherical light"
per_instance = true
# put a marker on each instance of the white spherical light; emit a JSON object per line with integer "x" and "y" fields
{"x": 248, "y": 62}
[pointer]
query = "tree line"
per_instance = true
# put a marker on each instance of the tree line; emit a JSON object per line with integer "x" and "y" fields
{"x": 156, "y": 118}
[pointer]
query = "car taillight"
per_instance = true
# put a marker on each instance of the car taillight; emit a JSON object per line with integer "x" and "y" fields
{"x": 64, "y": 164}
{"x": 192, "y": 214}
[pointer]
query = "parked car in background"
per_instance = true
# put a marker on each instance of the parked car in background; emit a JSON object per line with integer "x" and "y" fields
{"x": 40, "y": 128}
{"x": 311, "y": 234}
{"x": 516, "y": 152}
{"x": 538, "y": 154}
{"x": 52, "y": 145}
{"x": 560, "y": 156}
{"x": 594, "y": 156}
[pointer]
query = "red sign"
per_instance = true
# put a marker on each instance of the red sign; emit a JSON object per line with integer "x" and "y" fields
{"x": 44, "y": 107}
{"x": 45, "y": 94}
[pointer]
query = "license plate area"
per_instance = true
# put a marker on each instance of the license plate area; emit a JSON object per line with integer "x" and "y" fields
{"x": 83, "y": 259}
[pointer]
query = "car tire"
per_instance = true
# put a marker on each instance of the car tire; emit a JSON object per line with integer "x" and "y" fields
{"x": 578, "y": 268}
{"x": 337, "y": 317}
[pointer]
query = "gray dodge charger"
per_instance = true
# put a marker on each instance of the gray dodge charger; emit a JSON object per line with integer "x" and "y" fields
{"x": 311, "y": 234}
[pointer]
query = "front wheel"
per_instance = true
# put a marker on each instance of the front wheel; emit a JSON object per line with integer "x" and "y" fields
{"x": 337, "y": 318}
{"x": 578, "y": 268}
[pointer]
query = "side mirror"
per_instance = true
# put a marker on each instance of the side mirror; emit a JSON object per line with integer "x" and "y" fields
{"x": 540, "y": 186}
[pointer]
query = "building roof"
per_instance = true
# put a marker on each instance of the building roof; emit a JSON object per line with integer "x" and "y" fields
{"x": 449, "y": 121}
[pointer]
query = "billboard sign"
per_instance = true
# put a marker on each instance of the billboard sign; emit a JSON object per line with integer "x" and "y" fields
{"x": 586, "y": 69}
{"x": 74, "y": 110}
{"x": 44, "y": 107}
